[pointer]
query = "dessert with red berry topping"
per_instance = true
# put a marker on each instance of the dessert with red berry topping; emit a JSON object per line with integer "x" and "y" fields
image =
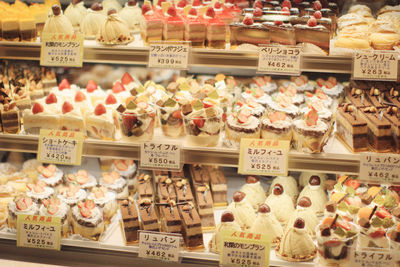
{"x": 151, "y": 25}
{"x": 71, "y": 194}
{"x": 53, "y": 206}
{"x": 39, "y": 191}
{"x": 64, "y": 91}
{"x": 310, "y": 133}
{"x": 87, "y": 220}
{"x": 106, "y": 200}
{"x": 203, "y": 125}
{"x": 137, "y": 120}
{"x": 94, "y": 92}
{"x": 82, "y": 102}
{"x": 50, "y": 174}
{"x": 101, "y": 123}
{"x": 242, "y": 124}
{"x": 81, "y": 177}
{"x": 216, "y": 30}
{"x": 114, "y": 30}
{"x": 320, "y": 107}
{"x": 233, "y": 9}
{"x": 313, "y": 33}
{"x": 20, "y": 205}
{"x": 114, "y": 182}
{"x": 276, "y": 126}
{"x": 223, "y": 14}
{"x": 127, "y": 169}
{"x": 43, "y": 115}
{"x": 281, "y": 32}
{"x": 283, "y": 103}
{"x": 195, "y": 29}
{"x": 249, "y": 32}
{"x": 171, "y": 119}
{"x": 174, "y": 27}
{"x": 351, "y": 128}
{"x": 71, "y": 118}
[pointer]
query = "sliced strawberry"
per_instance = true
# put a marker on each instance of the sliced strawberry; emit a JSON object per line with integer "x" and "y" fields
{"x": 259, "y": 93}
{"x": 51, "y": 98}
{"x": 100, "y": 110}
{"x": 47, "y": 174}
{"x": 354, "y": 183}
{"x": 80, "y": 204}
{"x": 282, "y": 89}
{"x": 299, "y": 81}
{"x": 91, "y": 86}
{"x": 89, "y": 204}
{"x": 110, "y": 100}
{"x": 115, "y": 175}
{"x": 83, "y": 173}
{"x": 199, "y": 122}
{"x": 46, "y": 202}
{"x": 107, "y": 178}
{"x": 38, "y": 189}
{"x": 82, "y": 179}
{"x": 126, "y": 79}
{"x": 129, "y": 121}
{"x": 120, "y": 165}
{"x": 207, "y": 104}
{"x": 308, "y": 94}
{"x": 21, "y": 205}
{"x": 329, "y": 85}
{"x": 67, "y": 107}
{"x": 353, "y": 201}
{"x": 242, "y": 118}
{"x": 30, "y": 186}
{"x": 129, "y": 162}
{"x": 320, "y": 94}
{"x": 343, "y": 224}
{"x": 378, "y": 233}
{"x": 118, "y": 88}
{"x": 332, "y": 80}
{"x": 85, "y": 212}
{"x": 52, "y": 209}
{"x": 311, "y": 118}
{"x": 320, "y": 82}
{"x": 28, "y": 201}
{"x": 79, "y": 96}
{"x": 177, "y": 114}
{"x": 99, "y": 194}
{"x": 52, "y": 168}
{"x": 71, "y": 177}
{"x": 383, "y": 213}
{"x": 64, "y": 84}
{"x": 328, "y": 220}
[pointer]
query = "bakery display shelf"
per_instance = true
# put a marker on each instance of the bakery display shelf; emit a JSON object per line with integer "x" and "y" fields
{"x": 137, "y": 54}
{"x": 336, "y": 157}
{"x": 112, "y": 241}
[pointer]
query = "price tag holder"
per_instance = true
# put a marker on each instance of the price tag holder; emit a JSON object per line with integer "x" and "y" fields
{"x": 281, "y": 60}
{"x": 375, "y": 65}
{"x": 380, "y": 168}
{"x": 60, "y": 147}
{"x": 244, "y": 249}
{"x": 160, "y": 155}
{"x": 34, "y": 231}
{"x": 263, "y": 157}
{"x": 159, "y": 246}
{"x": 61, "y": 50}
{"x": 169, "y": 55}
{"x": 372, "y": 258}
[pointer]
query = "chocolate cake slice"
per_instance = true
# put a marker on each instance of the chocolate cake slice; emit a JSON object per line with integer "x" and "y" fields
{"x": 166, "y": 189}
{"x": 379, "y": 129}
{"x": 393, "y": 115}
{"x": 205, "y": 207}
{"x": 145, "y": 187}
{"x": 357, "y": 98}
{"x": 393, "y": 96}
{"x": 191, "y": 230}
{"x": 199, "y": 174}
{"x": 159, "y": 174}
{"x": 351, "y": 128}
{"x": 177, "y": 175}
{"x": 183, "y": 191}
{"x": 218, "y": 185}
{"x": 148, "y": 216}
{"x": 376, "y": 98}
{"x": 10, "y": 118}
{"x": 170, "y": 219}
{"x": 130, "y": 221}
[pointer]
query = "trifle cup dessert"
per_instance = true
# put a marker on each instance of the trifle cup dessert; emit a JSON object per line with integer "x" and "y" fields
{"x": 276, "y": 125}
{"x": 242, "y": 124}
{"x": 203, "y": 125}
{"x": 335, "y": 240}
{"x": 137, "y": 121}
{"x": 394, "y": 242}
{"x": 257, "y": 110}
{"x": 171, "y": 119}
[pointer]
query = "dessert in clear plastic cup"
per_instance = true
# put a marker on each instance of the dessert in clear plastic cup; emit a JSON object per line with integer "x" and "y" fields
{"x": 203, "y": 127}
{"x": 394, "y": 243}
{"x": 137, "y": 121}
{"x": 242, "y": 124}
{"x": 171, "y": 121}
{"x": 334, "y": 245}
{"x": 276, "y": 126}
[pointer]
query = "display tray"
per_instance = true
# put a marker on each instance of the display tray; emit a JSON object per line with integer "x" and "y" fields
{"x": 335, "y": 158}
{"x": 113, "y": 238}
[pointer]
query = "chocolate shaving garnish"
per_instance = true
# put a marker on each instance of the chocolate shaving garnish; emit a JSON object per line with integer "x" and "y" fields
{"x": 334, "y": 221}
{"x": 389, "y": 104}
{"x": 340, "y": 200}
{"x": 373, "y": 212}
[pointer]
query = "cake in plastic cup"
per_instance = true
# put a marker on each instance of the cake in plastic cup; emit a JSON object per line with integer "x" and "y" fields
{"x": 276, "y": 125}
{"x": 335, "y": 243}
{"x": 394, "y": 243}
{"x": 137, "y": 121}
{"x": 242, "y": 124}
{"x": 171, "y": 119}
{"x": 203, "y": 126}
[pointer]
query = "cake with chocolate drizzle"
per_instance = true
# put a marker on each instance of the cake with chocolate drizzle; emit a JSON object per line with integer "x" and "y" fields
{"x": 148, "y": 216}
{"x": 145, "y": 187}
{"x": 191, "y": 230}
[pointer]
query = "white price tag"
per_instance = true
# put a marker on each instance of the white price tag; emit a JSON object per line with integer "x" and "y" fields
{"x": 169, "y": 55}
{"x": 245, "y": 249}
{"x": 159, "y": 155}
{"x": 62, "y": 50}
{"x": 380, "y": 168}
{"x": 159, "y": 246}
{"x": 263, "y": 157}
{"x": 60, "y": 147}
{"x": 34, "y": 231}
{"x": 375, "y": 65}
{"x": 284, "y": 60}
{"x": 371, "y": 258}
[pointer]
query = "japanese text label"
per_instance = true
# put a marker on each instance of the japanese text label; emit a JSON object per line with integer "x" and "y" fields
{"x": 62, "y": 50}
{"x": 60, "y": 147}
{"x": 279, "y": 60}
{"x": 380, "y": 168}
{"x": 159, "y": 246}
{"x": 263, "y": 157}
{"x": 371, "y": 258}
{"x": 245, "y": 249}
{"x": 159, "y": 155}
{"x": 376, "y": 65}
{"x": 169, "y": 56}
{"x": 34, "y": 231}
